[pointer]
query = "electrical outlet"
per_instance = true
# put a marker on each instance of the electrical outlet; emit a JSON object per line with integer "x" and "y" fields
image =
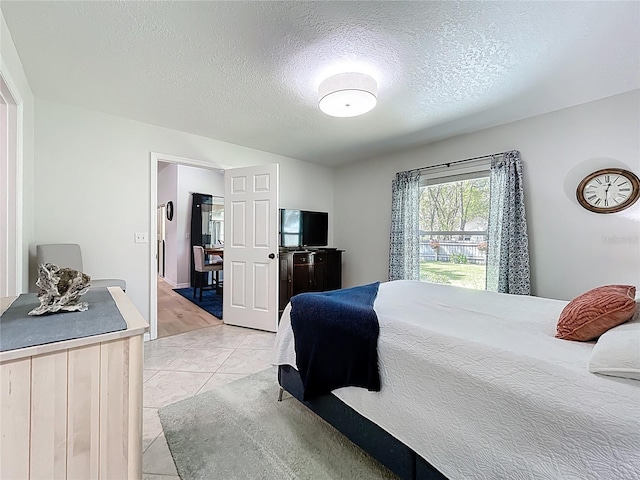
{"x": 187, "y": 235}
{"x": 140, "y": 237}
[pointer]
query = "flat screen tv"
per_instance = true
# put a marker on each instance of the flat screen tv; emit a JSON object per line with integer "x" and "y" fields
{"x": 315, "y": 226}
{"x": 300, "y": 228}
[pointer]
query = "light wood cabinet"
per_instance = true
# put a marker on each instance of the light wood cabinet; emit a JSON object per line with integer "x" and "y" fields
{"x": 73, "y": 409}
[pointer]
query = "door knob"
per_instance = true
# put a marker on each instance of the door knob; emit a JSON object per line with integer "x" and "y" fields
{"x": 272, "y": 256}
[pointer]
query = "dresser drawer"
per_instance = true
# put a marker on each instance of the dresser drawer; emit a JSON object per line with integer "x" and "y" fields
{"x": 302, "y": 259}
{"x": 319, "y": 258}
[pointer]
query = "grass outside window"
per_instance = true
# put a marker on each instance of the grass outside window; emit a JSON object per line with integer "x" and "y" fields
{"x": 466, "y": 275}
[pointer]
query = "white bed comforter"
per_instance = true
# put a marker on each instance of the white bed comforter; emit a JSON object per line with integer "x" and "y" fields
{"x": 476, "y": 384}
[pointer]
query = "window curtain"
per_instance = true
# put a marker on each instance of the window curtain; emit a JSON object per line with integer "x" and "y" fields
{"x": 508, "y": 242}
{"x": 404, "y": 249}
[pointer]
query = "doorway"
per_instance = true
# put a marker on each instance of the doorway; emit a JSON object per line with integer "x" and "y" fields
{"x": 250, "y": 249}
{"x": 11, "y": 260}
{"x": 173, "y": 179}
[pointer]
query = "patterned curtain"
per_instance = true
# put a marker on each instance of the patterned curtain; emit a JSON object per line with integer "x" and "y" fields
{"x": 404, "y": 249}
{"x": 508, "y": 243}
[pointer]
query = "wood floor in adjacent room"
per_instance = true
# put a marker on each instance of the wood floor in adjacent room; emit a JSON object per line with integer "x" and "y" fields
{"x": 177, "y": 315}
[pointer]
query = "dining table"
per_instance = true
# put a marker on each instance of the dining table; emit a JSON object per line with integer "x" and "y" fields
{"x": 219, "y": 251}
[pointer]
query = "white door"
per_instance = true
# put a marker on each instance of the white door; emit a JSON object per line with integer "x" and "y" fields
{"x": 250, "y": 297}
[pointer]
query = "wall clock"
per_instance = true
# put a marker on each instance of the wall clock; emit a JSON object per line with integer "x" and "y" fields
{"x": 169, "y": 211}
{"x": 608, "y": 190}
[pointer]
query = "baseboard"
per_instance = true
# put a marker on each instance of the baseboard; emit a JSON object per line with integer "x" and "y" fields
{"x": 166, "y": 280}
{"x": 176, "y": 285}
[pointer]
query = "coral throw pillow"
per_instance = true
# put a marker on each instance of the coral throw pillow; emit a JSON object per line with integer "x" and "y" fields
{"x": 591, "y": 314}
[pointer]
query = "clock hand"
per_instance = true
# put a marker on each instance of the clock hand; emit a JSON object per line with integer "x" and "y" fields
{"x": 606, "y": 194}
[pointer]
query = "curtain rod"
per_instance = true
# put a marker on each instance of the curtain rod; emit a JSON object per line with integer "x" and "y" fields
{"x": 448, "y": 164}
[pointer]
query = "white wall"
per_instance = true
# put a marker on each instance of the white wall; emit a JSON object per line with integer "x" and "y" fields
{"x": 168, "y": 192}
{"x": 572, "y": 250}
{"x": 92, "y": 185}
{"x": 199, "y": 180}
{"x": 11, "y": 67}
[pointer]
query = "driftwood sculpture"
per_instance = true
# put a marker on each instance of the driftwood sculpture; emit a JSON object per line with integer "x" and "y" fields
{"x": 59, "y": 289}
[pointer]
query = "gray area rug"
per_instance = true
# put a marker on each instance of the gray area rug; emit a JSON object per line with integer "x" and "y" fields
{"x": 240, "y": 431}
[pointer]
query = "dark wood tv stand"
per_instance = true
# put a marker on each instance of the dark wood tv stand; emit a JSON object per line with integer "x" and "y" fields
{"x": 308, "y": 270}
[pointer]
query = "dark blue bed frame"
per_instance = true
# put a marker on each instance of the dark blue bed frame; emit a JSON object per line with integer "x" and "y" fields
{"x": 381, "y": 445}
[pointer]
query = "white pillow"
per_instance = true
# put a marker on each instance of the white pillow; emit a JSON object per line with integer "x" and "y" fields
{"x": 617, "y": 352}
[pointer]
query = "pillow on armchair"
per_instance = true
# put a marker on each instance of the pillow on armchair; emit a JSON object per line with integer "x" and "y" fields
{"x": 69, "y": 255}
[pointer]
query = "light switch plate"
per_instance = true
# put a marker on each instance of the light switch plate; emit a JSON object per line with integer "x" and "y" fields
{"x": 140, "y": 237}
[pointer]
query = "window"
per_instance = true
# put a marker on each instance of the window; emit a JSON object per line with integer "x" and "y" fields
{"x": 454, "y": 214}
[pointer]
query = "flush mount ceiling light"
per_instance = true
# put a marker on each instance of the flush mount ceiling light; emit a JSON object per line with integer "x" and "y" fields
{"x": 348, "y": 94}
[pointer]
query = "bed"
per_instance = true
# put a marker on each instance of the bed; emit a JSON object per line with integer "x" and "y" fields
{"x": 475, "y": 386}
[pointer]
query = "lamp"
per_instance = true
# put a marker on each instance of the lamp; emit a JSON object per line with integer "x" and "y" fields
{"x": 348, "y": 94}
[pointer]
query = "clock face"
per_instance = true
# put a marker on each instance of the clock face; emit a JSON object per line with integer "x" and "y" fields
{"x": 608, "y": 191}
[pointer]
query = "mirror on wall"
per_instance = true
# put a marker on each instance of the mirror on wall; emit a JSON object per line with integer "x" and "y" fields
{"x": 213, "y": 221}
{"x": 207, "y": 227}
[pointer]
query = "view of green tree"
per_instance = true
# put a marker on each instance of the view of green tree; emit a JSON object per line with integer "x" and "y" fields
{"x": 450, "y": 206}
{"x": 455, "y": 206}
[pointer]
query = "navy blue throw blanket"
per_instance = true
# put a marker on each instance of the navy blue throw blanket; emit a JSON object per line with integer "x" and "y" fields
{"x": 336, "y": 339}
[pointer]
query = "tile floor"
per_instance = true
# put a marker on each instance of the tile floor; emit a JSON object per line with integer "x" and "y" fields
{"x": 184, "y": 365}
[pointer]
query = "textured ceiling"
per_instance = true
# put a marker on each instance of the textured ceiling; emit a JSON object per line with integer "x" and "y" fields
{"x": 248, "y": 72}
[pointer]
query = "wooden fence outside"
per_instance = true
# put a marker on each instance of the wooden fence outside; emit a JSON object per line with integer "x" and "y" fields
{"x": 447, "y": 251}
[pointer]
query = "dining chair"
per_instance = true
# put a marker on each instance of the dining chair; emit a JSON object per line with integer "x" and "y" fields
{"x": 203, "y": 268}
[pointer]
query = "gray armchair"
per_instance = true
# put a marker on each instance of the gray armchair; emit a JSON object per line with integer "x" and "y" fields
{"x": 69, "y": 255}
